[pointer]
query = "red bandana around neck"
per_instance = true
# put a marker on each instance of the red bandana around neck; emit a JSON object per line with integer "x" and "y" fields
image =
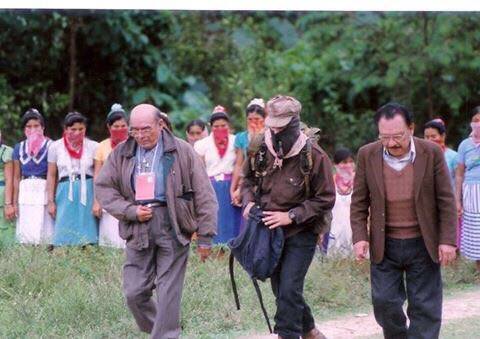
{"x": 74, "y": 143}
{"x": 220, "y": 137}
{"x": 118, "y": 135}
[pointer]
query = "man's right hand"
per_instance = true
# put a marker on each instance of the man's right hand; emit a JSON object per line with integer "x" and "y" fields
{"x": 144, "y": 213}
{"x": 247, "y": 209}
{"x": 361, "y": 249}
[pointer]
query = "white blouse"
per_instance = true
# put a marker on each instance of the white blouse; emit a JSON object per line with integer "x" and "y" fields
{"x": 58, "y": 154}
{"x": 215, "y": 165}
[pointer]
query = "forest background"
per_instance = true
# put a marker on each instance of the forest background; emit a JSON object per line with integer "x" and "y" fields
{"x": 340, "y": 65}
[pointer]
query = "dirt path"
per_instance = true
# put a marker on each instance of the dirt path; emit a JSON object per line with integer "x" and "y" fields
{"x": 457, "y": 306}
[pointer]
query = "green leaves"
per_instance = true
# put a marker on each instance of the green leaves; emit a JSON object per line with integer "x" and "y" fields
{"x": 342, "y": 66}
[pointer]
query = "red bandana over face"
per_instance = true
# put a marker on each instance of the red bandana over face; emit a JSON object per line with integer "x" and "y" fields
{"x": 74, "y": 143}
{"x": 35, "y": 139}
{"x": 220, "y": 136}
{"x": 118, "y": 135}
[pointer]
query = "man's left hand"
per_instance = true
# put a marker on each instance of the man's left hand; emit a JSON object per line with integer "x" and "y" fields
{"x": 276, "y": 219}
{"x": 446, "y": 254}
{"x": 204, "y": 252}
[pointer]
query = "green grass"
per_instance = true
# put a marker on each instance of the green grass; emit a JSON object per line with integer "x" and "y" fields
{"x": 77, "y": 293}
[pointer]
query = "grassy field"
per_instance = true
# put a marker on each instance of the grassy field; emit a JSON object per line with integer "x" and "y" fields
{"x": 77, "y": 293}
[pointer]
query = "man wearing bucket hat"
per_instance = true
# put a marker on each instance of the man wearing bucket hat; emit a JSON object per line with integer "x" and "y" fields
{"x": 294, "y": 197}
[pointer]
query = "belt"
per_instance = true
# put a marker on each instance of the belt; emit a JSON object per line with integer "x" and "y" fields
{"x": 34, "y": 177}
{"x": 74, "y": 177}
{"x": 156, "y": 204}
{"x": 221, "y": 177}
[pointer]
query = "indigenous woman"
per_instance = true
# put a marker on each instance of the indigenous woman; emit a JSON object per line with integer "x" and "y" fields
{"x": 218, "y": 152}
{"x": 340, "y": 237}
{"x": 7, "y": 209}
{"x": 196, "y": 130}
{"x": 34, "y": 224}
{"x": 70, "y": 202}
{"x": 118, "y": 129}
{"x": 467, "y": 179}
{"x": 255, "y": 125}
{"x": 435, "y": 131}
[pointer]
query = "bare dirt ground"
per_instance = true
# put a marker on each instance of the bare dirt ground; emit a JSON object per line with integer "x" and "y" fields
{"x": 460, "y": 305}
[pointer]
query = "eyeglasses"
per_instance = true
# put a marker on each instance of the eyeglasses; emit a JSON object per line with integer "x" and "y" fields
{"x": 140, "y": 131}
{"x": 385, "y": 138}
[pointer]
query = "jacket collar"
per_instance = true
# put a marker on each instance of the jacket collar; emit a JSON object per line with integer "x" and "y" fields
{"x": 168, "y": 139}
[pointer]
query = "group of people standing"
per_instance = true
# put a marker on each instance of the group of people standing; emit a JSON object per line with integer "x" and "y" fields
{"x": 48, "y": 186}
{"x": 147, "y": 191}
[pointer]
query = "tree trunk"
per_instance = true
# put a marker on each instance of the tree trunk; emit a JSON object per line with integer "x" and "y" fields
{"x": 72, "y": 76}
{"x": 426, "y": 42}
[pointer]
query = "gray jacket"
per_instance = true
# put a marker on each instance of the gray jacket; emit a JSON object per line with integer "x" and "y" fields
{"x": 191, "y": 200}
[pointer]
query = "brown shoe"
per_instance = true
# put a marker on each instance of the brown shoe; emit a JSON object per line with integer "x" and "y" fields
{"x": 314, "y": 334}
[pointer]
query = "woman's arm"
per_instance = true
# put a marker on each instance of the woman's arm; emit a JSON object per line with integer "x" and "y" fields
{"x": 237, "y": 170}
{"x": 51, "y": 187}
{"x": 17, "y": 173}
{"x": 9, "y": 210}
{"x": 459, "y": 176}
{"x": 97, "y": 208}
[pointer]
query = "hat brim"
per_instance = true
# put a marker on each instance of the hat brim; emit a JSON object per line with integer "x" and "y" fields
{"x": 277, "y": 122}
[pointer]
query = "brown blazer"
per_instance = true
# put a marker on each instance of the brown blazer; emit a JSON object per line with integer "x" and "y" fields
{"x": 434, "y": 198}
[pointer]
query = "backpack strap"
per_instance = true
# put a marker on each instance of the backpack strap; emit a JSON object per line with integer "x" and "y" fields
{"x": 258, "y": 165}
{"x": 306, "y": 165}
{"x": 260, "y": 299}
{"x": 232, "y": 279}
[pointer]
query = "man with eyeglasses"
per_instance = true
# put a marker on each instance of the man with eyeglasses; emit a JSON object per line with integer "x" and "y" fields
{"x": 403, "y": 210}
{"x": 158, "y": 188}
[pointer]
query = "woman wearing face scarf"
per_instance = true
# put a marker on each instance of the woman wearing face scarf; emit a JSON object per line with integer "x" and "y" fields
{"x": 255, "y": 125}
{"x": 218, "y": 153}
{"x": 34, "y": 224}
{"x": 467, "y": 179}
{"x": 435, "y": 131}
{"x": 7, "y": 209}
{"x": 340, "y": 236}
{"x": 70, "y": 202}
{"x": 118, "y": 129}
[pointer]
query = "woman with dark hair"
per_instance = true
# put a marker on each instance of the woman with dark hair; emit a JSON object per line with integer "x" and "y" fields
{"x": 436, "y": 132}
{"x": 118, "y": 129}
{"x": 34, "y": 224}
{"x": 340, "y": 236}
{"x": 255, "y": 125}
{"x": 467, "y": 178}
{"x": 70, "y": 202}
{"x": 196, "y": 130}
{"x": 218, "y": 153}
{"x": 7, "y": 209}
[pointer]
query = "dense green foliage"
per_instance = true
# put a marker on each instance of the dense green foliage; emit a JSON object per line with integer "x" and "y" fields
{"x": 74, "y": 293}
{"x": 341, "y": 66}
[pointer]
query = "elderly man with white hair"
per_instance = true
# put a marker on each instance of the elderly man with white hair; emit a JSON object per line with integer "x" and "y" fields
{"x": 157, "y": 187}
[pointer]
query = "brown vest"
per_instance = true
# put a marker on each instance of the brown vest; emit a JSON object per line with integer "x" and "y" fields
{"x": 401, "y": 217}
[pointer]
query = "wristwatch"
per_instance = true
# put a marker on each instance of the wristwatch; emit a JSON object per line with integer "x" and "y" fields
{"x": 292, "y": 215}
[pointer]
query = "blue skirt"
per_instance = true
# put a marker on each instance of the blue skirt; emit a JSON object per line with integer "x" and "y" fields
{"x": 74, "y": 223}
{"x": 229, "y": 216}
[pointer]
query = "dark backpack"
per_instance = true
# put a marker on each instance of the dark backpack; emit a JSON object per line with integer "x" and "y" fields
{"x": 258, "y": 250}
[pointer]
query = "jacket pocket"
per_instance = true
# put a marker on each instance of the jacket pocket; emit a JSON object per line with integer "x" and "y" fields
{"x": 185, "y": 215}
{"x": 125, "y": 230}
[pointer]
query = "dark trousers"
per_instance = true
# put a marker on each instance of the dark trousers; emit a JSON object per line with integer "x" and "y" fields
{"x": 407, "y": 272}
{"x": 293, "y": 317}
{"x": 161, "y": 266}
